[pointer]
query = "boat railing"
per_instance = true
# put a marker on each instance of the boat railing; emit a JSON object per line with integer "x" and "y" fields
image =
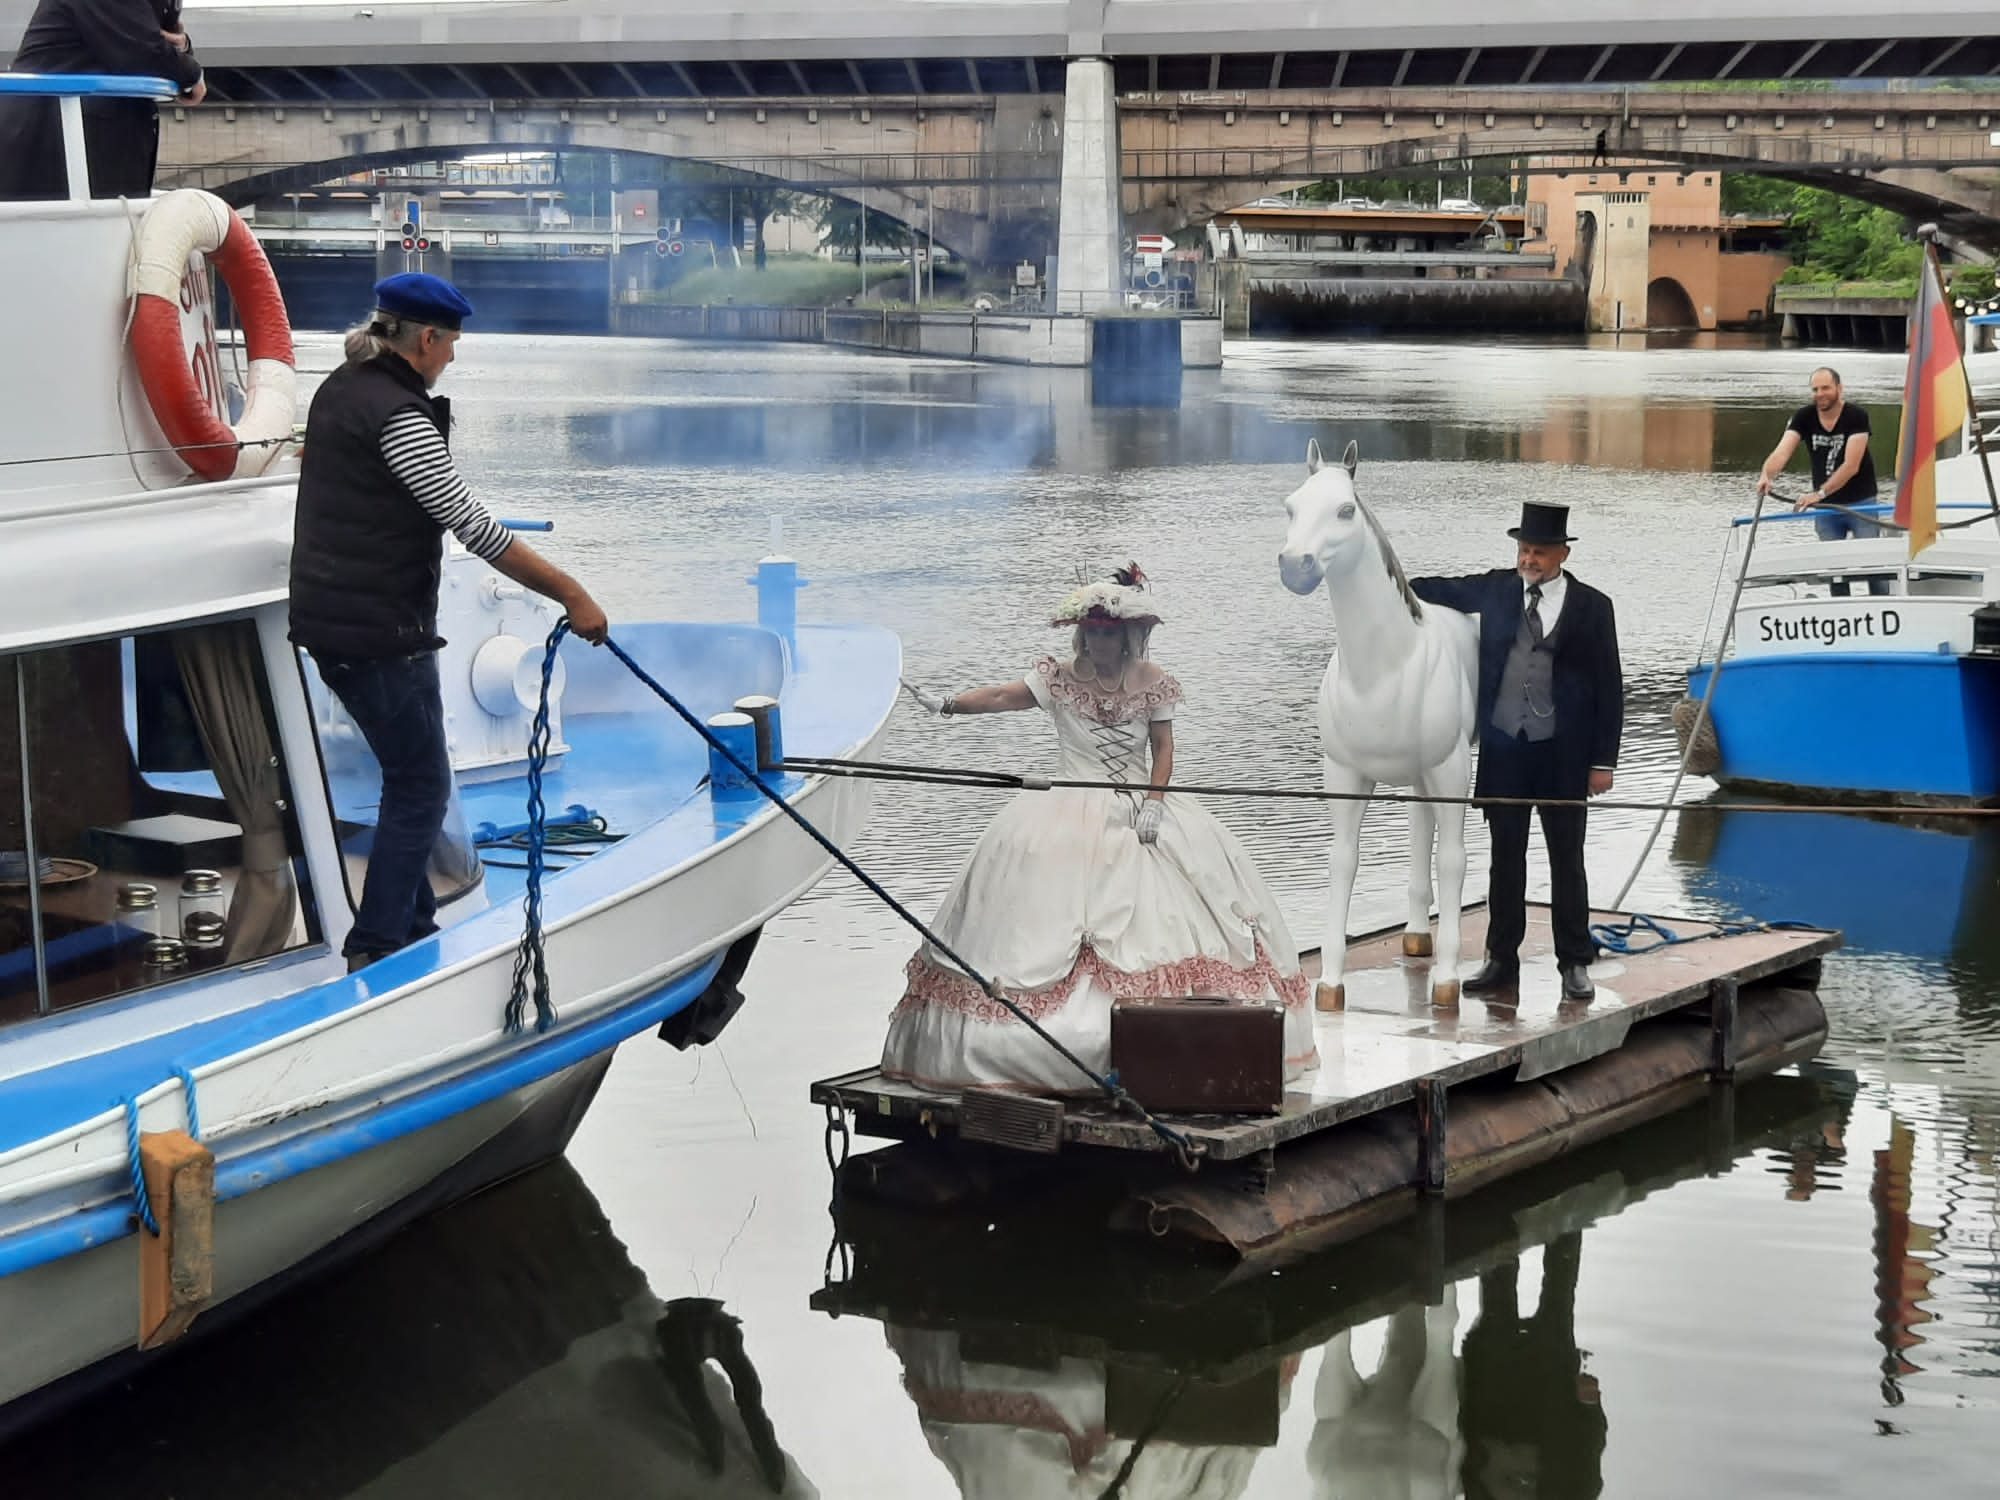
{"x": 1866, "y": 508}
{"x": 69, "y": 90}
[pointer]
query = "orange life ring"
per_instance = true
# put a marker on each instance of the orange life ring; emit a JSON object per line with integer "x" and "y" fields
{"x": 175, "y": 227}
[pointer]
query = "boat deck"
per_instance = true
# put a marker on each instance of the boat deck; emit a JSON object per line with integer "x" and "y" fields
{"x": 1389, "y": 1044}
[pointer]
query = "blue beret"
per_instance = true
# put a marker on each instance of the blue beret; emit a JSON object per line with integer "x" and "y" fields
{"x": 423, "y": 298}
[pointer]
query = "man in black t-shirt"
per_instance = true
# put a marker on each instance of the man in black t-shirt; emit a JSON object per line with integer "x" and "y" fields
{"x": 1836, "y": 439}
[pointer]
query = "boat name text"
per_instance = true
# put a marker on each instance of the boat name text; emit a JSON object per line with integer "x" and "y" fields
{"x": 1830, "y": 630}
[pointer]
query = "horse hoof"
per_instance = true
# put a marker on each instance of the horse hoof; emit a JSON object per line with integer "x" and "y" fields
{"x": 1444, "y": 996}
{"x": 1330, "y": 997}
{"x": 1416, "y": 945}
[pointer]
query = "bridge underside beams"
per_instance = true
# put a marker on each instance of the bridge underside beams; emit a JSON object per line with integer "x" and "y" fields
{"x": 552, "y": 77}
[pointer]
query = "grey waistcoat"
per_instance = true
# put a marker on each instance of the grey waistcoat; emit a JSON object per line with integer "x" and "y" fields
{"x": 1525, "y": 703}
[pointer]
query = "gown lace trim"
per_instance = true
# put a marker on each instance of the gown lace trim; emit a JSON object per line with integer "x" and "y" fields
{"x": 933, "y": 984}
{"x": 1095, "y": 704}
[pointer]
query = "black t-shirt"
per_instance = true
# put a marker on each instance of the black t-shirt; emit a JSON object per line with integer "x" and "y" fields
{"x": 1827, "y": 447}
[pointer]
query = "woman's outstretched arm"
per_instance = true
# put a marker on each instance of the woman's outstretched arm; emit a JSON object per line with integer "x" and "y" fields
{"x": 1001, "y": 698}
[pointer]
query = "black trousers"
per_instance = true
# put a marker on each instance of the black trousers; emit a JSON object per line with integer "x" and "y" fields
{"x": 1522, "y": 768}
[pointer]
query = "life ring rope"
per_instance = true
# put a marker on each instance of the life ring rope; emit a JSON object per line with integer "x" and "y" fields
{"x": 176, "y": 226}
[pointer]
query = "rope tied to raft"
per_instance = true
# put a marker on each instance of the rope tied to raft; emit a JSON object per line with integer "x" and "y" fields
{"x": 1640, "y": 933}
{"x": 530, "y": 967}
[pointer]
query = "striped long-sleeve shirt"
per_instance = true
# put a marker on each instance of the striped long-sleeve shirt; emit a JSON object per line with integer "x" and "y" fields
{"x": 417, "y": 455}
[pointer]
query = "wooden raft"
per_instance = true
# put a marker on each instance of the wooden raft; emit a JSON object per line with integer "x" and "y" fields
{"x": 1407, "y": 1100}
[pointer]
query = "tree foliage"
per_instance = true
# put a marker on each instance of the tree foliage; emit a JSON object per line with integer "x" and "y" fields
{"x": 1833, "y": 237}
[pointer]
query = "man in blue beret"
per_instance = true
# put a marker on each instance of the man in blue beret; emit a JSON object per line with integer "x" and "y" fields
{"x": 377, "y": 492}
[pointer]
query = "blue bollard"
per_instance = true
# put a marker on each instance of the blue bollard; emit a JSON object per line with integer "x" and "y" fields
{"x": 762, "y": 711}
{"x": 739, "y": 733}
{"x": 778, "y": 585}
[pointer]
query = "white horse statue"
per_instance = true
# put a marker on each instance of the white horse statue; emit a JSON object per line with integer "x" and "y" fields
{"x": 1396, "y": 706}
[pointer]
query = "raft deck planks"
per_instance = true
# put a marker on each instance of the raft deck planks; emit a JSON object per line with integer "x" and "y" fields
{"x": 1388, "y": 1041}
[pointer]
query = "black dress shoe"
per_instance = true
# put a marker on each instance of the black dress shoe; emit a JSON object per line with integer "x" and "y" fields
{"x": 1576, "y": 982}
{"x": 1492, "y": 977}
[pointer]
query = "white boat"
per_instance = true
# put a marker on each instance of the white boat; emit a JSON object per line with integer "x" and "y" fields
{"x": 155, "y": 719}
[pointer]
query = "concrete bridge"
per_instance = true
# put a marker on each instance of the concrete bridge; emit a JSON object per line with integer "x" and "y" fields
{"x": 545, "y": 50}
{"x": 987, "y": 170}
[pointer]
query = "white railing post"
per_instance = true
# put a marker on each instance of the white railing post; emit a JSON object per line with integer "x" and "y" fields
{"x": 74, "y": 161}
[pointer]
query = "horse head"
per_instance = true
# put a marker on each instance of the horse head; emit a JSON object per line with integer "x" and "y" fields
{"x": 1328, "y": 528}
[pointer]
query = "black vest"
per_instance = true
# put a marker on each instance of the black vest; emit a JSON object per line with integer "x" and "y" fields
{"x": 365, "y": 554}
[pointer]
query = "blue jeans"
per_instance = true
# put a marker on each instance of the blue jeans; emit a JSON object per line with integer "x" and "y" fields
{"x": 396, "y": 704}
{"x": 1834, "y": 526}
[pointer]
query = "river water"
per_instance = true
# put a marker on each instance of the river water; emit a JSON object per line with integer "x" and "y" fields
{"x": 1804, "y": 1301}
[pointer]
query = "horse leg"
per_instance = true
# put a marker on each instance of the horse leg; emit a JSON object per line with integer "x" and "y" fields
{"x": 1343, "y": 859}
{"x": 1417, "y": 931}
{"x": 1452, "y": 779}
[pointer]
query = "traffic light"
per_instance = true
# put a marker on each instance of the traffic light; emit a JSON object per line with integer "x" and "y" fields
{"x": 409, "y": 229}
{"x": 409, "y": 243}
{"x": 423, "y": 242}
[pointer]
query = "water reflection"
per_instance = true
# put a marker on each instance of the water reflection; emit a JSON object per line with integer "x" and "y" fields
{"x": 505, "y": 1347}
{"x": 1035, "y": 1372}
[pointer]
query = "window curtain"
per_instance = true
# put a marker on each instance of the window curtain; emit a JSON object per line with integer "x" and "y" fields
{"x": 222, "y": 669}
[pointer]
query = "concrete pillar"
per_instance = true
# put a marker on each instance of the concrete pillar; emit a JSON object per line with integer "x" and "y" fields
{"x": 1089, "y": 249}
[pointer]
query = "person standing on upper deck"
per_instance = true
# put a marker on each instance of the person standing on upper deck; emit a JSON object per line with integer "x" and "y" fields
{"x": 1835, "y": 432}
{"x": 377, "y": 492}
{"x": 141, "y": 38}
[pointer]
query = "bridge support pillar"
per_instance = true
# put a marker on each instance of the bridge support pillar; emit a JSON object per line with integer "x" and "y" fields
{"x": 1089, "y": 251}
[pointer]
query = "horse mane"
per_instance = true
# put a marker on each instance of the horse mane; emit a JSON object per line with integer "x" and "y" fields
{"x": 1390, "y": 560}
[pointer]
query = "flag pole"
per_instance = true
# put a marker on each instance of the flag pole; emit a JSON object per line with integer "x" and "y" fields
{"x": 1928, "y": 234}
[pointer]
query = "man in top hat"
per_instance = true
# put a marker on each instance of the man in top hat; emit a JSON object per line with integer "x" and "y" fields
{"x": 1551, "y": 708}
{"x": 377, "y": 492}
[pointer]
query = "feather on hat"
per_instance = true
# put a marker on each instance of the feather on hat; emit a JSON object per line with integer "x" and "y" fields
{"x": 1121, "y": 597}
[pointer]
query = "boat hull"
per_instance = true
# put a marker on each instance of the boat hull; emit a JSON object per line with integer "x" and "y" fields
{"x": 1858, "y": 728}
{"x": 71, "y": 1322}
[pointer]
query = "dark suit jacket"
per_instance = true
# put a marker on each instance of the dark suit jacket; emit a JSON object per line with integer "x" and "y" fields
{"x": 121, "y": 136}
{"x": 1589, "y": 684}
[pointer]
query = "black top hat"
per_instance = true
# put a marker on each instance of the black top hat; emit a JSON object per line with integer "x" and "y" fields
{"x": 1542, "y": 523}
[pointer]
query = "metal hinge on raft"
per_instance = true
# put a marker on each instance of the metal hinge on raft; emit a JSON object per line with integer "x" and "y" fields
{"x": 1020, "y": 1122}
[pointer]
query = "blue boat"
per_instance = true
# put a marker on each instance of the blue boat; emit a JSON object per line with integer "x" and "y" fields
{"x": 185, "y": 819}
{"x": 1889, "y": 693}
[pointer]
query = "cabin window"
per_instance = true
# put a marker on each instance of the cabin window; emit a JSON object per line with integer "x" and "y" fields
{"x": 354, "y": 788}
{"x": 147, "y": 778}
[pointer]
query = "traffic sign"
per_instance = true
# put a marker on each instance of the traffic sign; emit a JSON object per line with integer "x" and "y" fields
{"x": 1152, "y": 244}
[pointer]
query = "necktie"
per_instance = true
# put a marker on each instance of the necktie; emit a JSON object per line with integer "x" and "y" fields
{"x": 1535, "y": 613}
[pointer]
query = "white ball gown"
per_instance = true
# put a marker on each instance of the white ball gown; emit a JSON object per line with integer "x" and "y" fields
{"x": 1067, "y": 911}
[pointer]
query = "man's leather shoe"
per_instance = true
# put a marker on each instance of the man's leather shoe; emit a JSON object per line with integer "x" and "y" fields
{"x": 1576, "y": 982}
{"x": 1492, "y": 978}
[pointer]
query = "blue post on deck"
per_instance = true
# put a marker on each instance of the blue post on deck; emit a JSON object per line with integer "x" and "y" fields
{"x": 739, "y": 733}
{"x": 778, "y": 584}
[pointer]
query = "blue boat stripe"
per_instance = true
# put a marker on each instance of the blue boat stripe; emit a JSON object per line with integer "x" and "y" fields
{"x": 236, "y": 1177}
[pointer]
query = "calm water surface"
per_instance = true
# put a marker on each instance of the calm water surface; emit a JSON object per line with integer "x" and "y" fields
{"x": 1803, "y": 1300}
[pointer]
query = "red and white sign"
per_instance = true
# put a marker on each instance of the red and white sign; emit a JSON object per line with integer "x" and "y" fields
{"x": 1151, "y": 244}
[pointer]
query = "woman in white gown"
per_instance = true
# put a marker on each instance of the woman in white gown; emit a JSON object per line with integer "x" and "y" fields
{"x": 1074, "y": 898}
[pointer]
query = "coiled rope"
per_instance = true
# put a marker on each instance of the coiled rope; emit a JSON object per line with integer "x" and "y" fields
{"x": 531, "y": 980}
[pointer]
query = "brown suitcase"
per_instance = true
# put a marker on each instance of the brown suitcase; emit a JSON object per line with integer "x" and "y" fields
{"x": 1200, "y": 1056}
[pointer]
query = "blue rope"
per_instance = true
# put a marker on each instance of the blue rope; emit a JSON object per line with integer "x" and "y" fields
{"x": 1186, "y": 1150}
{"x": 139, "y": 1195}
{"x": 1619, "y": 937}
{"x": 531, "y": 972}
{"x": 193, "y": 1113}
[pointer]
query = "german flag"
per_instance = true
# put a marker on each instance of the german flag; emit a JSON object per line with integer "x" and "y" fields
{"x": 1933, "y": 408}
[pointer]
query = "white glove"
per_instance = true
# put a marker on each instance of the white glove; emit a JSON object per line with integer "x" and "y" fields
{"x": 932, "y": 706}
{"x": 1150, "y": 813}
